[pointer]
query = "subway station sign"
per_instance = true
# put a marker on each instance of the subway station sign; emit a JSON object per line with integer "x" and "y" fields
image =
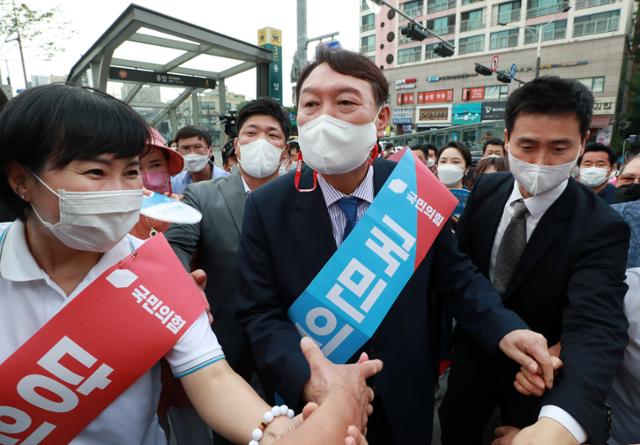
{"x": 271, "y": 39}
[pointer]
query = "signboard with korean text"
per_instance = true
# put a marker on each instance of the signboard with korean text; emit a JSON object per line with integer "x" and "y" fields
{"x": 493, "y": 110}
{"x": 473, "y": 93}
{"x": 434, "y": 115}
{"x": 402, "y": 116}
{"x": 405, "y": 84}
{"x": 178, "y": 80}
{"x": 438, "y": 96}
{"x": 604, "y": 105}
{"x": 271, "y": 39}
{"x": 406, "y": 98}
{"x": 466, "y": 114}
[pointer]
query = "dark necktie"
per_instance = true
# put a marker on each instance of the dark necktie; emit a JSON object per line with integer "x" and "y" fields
{"x": 349, "y": 206}
{"x": 511, "y": 247}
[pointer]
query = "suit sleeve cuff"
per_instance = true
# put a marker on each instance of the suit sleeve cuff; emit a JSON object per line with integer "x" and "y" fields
{"x": 566, "y": 420}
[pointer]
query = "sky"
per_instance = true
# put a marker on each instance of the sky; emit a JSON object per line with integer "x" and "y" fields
{"x": 236, "y": 18}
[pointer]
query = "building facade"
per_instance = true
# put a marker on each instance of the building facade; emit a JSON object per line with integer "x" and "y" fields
{"x": 427, "y": 92}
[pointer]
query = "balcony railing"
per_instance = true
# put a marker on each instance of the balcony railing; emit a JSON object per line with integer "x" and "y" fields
{"x": 546, "y": 10}
{"x": 445, "y": 30}
{"x": 504, "y": 41}
{"x": 549, "y": 33}
{"x": 583, "y": 4}
{"x": 409, "y": 56}
{"x": 414, "y": 12}
{"x": 368, "y": 49}
{"x": 470, "y": 46}
{"x": 367, "y": 27}
{"x": 506, "y": 16}
{"x": 440, "y": 5}
{"x": 471, "y": 24}
{"x": 596, "y": 26}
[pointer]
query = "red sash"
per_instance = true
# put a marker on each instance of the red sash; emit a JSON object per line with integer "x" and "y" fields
{"x": 97, "y": 346}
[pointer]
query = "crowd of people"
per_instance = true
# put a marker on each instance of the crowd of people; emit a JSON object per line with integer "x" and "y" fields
{"x": 521, "y": 325}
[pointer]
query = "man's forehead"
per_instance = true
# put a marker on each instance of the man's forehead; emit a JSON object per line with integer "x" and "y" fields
{"x": 262, "y": 122}
{"x": 324, "y": 78}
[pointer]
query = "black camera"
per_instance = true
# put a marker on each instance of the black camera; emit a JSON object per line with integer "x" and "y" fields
{"x": 229, "y": 120}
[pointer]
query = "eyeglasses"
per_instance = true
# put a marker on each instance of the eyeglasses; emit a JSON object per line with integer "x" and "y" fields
{"x": 628, "y": 179}
{"x": 196, "y": 148}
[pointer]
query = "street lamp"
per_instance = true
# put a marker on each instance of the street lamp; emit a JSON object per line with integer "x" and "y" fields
{"x": 538, "y": 30}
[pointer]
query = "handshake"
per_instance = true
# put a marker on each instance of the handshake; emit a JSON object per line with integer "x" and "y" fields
{"x": 339, "y": 400}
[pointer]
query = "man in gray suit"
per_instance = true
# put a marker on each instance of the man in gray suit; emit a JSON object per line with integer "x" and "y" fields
{"x": 212, "y": 245}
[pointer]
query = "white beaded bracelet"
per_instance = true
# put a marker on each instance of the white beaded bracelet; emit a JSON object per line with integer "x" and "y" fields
{"x": 267, "y": 418}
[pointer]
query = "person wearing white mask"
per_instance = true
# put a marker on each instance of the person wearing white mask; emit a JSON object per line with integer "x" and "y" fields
{"x": 71, "y": 171}
{"x": 453, "y": 161}
{"x": 556, "y": 253}
{"x": 263, "y": 128}
{"x": 294, "y": 224}
{"x": 596, "y": 167}
{"x": 194, "y": 144}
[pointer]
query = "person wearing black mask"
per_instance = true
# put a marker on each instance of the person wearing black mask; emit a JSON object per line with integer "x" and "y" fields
{"x": 628, "y": 196}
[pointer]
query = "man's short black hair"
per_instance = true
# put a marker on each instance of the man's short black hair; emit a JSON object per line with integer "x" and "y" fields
{"x": 190, "y": 132}
{"x": 429, "y": 147}
{"x": 595, "y": 146}
{"x": 265, "y": 106}
{"x": 462, "y": 149}
{"x": 551, "y": 95}
{"x": 493, "y": 141}
{"x": 52, "y": 125}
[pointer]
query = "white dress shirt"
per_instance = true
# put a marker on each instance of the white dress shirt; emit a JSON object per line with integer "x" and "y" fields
{"x": 29, "y": 298}
{"x": 364, "y": 192}
{"x": 537, "y": 207}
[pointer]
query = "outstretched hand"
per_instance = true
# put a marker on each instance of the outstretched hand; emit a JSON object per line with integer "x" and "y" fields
{"x": 348, "y": 380}
{"x": 529, "y": 349}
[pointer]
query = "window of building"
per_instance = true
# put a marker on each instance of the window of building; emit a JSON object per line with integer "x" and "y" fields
{"x": 440, "y": 5}
{"x": 552, "y": 31}
{"x": 504, "y": 39}
{"x": 364, "y": 6}
{"x": 595, "y": 84}
{"x": 506, "y": 13}
{"x": 539, "y": 8}
{"x": 408, "y": 55}
{"x": 412, "y": 8}
{"x": 596, "y": 23}
{"x": 429, "y": 50}
{"x": 443, "y": 25}
{"x": 469, "y": 2}
{"x": 368, "y": 44}
{"x": 472, "y": 44}
{"x": 583, "y": 4}
{"x": 368, "y": 22}
{"x": 472, "y": 20}
{"x": 496, "y": 92}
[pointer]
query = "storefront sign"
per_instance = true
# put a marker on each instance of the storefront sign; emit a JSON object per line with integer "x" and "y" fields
{"x": 428, "y": 97}
{"x": 493, "y": 110}
{"x": 402, "y": 116}
{"x": 604, "y": 105}
{"x": 474, "y": 93}
{"x": 466, "y": 113}
{"x": 434, "y": 115}
{"x": 433, "y": 79}
{"x": 406, "y": 99}
{"x": 405, "y": 84}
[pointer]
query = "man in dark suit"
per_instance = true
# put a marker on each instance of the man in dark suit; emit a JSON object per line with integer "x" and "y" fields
{"x": 289, "y": 234}
{"x": 556, "y": 253}
{"x": 263, "y": 129}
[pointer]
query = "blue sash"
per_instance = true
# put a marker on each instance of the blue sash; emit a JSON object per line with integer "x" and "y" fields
{"x": 351, "y": 295}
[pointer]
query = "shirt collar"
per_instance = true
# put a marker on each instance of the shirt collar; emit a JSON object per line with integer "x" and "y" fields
{"x": 539, "y": 204}
{"x": 17, "y": 263}
{"x": 245, "y": 185}
{"x": 364, "y": 191}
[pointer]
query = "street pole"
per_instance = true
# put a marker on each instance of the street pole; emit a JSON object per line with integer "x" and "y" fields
{"x": 538, "y": 51}
{"x": 302, "y": 32}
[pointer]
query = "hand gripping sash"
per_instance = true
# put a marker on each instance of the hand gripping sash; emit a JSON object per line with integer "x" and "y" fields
{"x": 348, "y": 299}
{"x": 96, "y": 346}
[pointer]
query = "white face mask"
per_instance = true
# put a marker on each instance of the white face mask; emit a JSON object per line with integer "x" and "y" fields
{"x": 450, "y": 174}
{"x": 259, "y": 158}
{"x": 332, "y": 146}
{"x": 94, "y": 221}
{"x": 594, "y": 176}
{"x": 195, "y": 163}
{"x": 538, "y": 179}
{"x": 431, "y": 162}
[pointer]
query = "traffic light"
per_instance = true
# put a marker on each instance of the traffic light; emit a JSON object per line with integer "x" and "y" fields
{"x": 443, "y": 50}
{"x": 504, "y": 78}
{"x": 414, "y": 32}
{"x": 484, "y": 70}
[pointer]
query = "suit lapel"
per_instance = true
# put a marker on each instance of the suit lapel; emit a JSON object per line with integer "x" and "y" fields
{"x": 234, "y": 195}
{"x": 553, "y": 224}
{"x": 311, "y": 224}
